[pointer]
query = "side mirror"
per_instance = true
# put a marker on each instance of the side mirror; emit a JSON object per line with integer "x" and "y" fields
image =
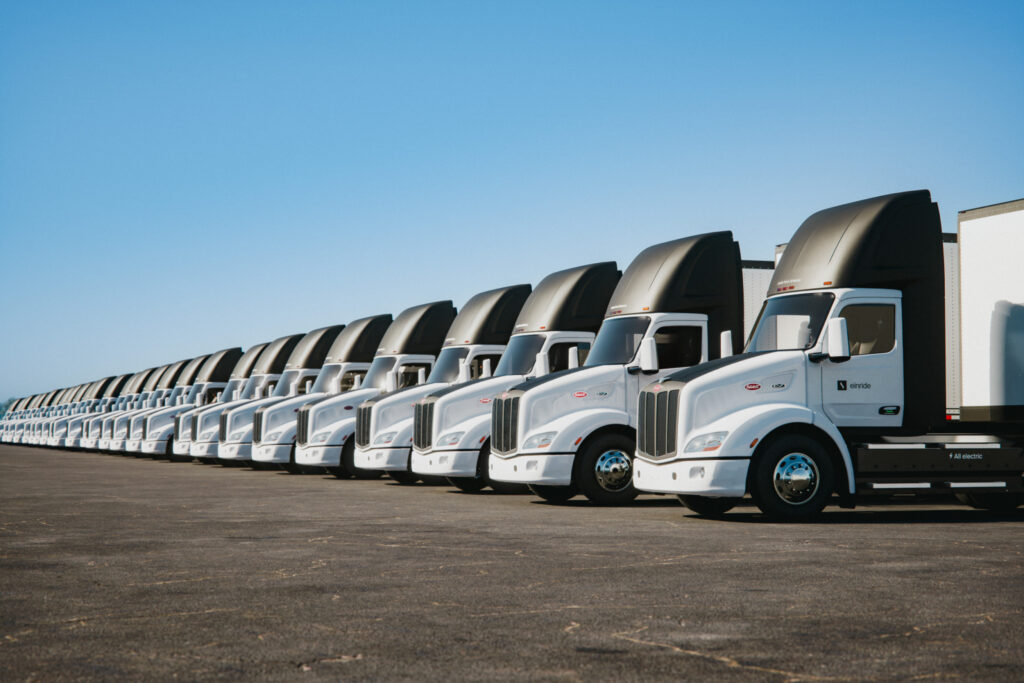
{"x": 421, "y": 375}
{"x": 463, "y": 371}
{"x": 541, "y": 366}
{"x": 485, "y": 371}
{"x": 309, "y": 385}
{"x": 574, "y": 357}
{"x": 725, "y": 348}
{"x": 391, "y": 381}
{"x": 838, "y": 340}
{"x": 648, "y": 355}
{"x": 357, "y": 382}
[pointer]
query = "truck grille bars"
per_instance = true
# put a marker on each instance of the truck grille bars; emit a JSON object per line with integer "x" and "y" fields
{"x": 223, "y": 434}
{"x": 302, "y": 427}
{"x": 657, "y": 417}
{"x": 363, "y": 424}
{"x": 257, "y": 427}
{"x": 423, "y": 425}
{"x": 504, "y": 424}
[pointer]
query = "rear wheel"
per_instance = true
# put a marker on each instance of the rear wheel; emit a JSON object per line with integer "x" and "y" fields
{"x": 995, "y": 502}
{"x": 792, "y": 478}
{"x": 554, "y": 494}
{"x": 604, "y": 470}
{"x": 709, "y": 507}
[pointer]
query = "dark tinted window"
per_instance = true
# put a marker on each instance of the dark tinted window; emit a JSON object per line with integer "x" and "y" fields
{"x": 678, "y": 347}
{"x": 476, "y": 366}
{"x": 618, "y": 340}
{"x": 520, "y": 355}
{"x": 558, "y": 355}
{"x": 871, "y": 328}
{"x": 408, "y": 374}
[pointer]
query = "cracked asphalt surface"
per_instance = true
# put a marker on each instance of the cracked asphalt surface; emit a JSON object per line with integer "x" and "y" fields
{"x": 122, "y": 568}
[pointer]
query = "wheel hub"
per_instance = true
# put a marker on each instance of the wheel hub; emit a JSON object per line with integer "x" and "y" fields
{"x": 796, "y": 478}
{"x": 613, "y": 470}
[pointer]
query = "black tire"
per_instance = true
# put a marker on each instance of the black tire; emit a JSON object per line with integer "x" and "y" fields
{"x": 603, "y": 470}
{"x": 479, "y": 482}
{"x": 403, "y": 476}
{"x": 792, "y": 478}
{"x": 348, "y": 464}
{"x": 554, "y": 494}
{"x": 706, "y": 506}
{"x": 292, "y": 467}
{"x": 993, "y": 502}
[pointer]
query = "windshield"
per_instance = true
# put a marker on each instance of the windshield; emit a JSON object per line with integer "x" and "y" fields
{"x": 446, "y": 369}
{"x": 328, "y": 376}
{"x": 379, "y": 369}
{"x": 788, "y": 323}
{"x": 249, "y": 390}
{"x": 287, "y": 383}
{"x": 520, "y": 355}
{"x": 617, "y": 341}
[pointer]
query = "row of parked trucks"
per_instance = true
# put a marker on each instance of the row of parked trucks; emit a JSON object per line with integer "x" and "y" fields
{"x": 882, "y": 357}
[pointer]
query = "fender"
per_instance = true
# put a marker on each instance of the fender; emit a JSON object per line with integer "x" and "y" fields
{"x": 286, "y": 434}
{"x": 340, "y": 432}
{"x": 577, "y": 426}
{"x": 757, "y": 422}
{"x": 403, "y": 437}
{"x": 477, "y": 430}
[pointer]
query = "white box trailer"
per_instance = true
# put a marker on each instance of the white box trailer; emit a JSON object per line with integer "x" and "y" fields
{"x": 884, "y": 360}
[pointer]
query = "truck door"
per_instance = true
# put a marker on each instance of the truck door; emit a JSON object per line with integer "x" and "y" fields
{"x": 867, "y": 390}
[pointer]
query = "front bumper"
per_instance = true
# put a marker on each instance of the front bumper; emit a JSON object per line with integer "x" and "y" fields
{"x": 549, "y": 469}
{"x": 116, "y": 445}
{"x": 445, "y": 463}
{"x": 319, "y": 456}
{"x": 203, "y": 449}
{"x": 156, "y": 447}
{"x": 712, "y": 478}
{"x": 272, "y": 452}
{"x": 182, "y": 447}
{"x": 235, "y": 451}
{"x": 383, "y": 458}
{"x": 133, "y": 445}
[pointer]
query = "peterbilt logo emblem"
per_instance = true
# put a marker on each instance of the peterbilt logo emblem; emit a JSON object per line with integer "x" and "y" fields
{"x": 656, "y": 387}
{"x": 753, "y": 386}
{"x": 579, "y": 394}
{"x": 485, "y": 400}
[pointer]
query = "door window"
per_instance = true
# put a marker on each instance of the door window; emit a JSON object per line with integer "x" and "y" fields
{"x": 871, "y": 328}
{"x": 408, "y": 374}
{"x": 476, "y": 366}
{"x": 678, "y": 347}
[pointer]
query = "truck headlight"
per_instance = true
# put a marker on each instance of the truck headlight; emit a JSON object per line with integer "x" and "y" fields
{"x": 273, "y": 436}
{"x": 237, "y": 436}
{"x": 450, "y": 439}
{"x": 706, "y": 442}
{"x": 542, "y": 440}
{"x": 385, "y": 438}
{"x": 320, "y": 437}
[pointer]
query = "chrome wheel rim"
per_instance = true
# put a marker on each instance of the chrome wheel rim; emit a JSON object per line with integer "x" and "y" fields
{"x": 613, "y": 470}
{"x": 796, "y": 478}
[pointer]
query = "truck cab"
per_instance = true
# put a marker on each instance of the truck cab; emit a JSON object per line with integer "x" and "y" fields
{"x": 300, "y": 372}
{"x": 185, "y": 427}
{"x": 61, "y": 429}
{"x": 407, "y": 352}
{"x": 93, "y": 437}
{"x": 842, "y": 388}
{"x": 472, "y": 347}
{"x": 210, "y": 423}
{"x": 170, "y": 397}
{"x": 102, "y": 404}
{"x": 153, "y": 399}
{"x": 679, "y": 304}
{"x": 554, "y": 331}
{"x": 154, "y": 430}
{"x": 344, "y": 368}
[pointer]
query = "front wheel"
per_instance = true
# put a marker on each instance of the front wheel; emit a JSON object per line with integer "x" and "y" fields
{"x": 403, "y": 476}
{"x": 792, "y": 478}
{"x": 554, "y": 494}
{"x": 604, "y": 470}
{"x": 348, "y": 464}
{"x": 709, "y": 507}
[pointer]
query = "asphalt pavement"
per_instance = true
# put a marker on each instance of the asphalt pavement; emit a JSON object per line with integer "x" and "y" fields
{"x": 120, "y": 568}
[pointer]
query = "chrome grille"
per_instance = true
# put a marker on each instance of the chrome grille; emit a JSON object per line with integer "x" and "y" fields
{"x": 257, "y": 427}
{"x": 223, "y": 434}
{"x": 145, "y": 428}
{"x": 302, "y": 426}
{"x": 195, "y": 428}
{"x": 177, "y": 428}
{"x": 363, "y": 424}
{"x": 504, "y": 424}
{"x": 423, "y": 425}
{"x": 657, "y": 423}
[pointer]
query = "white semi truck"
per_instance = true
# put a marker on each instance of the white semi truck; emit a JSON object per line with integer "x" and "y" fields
{"x": 60, "y": 429}
{"x": 102, "y": 404}
{"x": 857, "y": 380}
{"x": 155, "y": 434}
{"x": 186, "y": 429}
{"x": 344, "y": 368}
{"x": 679, "y": 304}
{"x": 406, "y": 353}
{"x": 300, "y": 371}
{"x": 265, "y": 374}
{"x": 149, "y": 400}
{"x": 472, "y": 347}
{"x": 92, "y": 433}
{"x": 554, "y": 331}
{"x": 169, "y": 397}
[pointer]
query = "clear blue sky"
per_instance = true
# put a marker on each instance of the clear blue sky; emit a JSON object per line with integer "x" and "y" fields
{"x": 177, "y": 177}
